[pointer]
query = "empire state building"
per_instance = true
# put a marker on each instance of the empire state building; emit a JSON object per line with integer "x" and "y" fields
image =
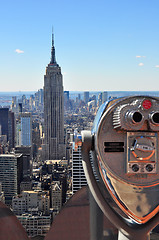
{"x": 53, "y": 110}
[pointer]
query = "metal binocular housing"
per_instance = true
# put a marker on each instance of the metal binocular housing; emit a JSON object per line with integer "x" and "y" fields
{"x": 123, "y": 174}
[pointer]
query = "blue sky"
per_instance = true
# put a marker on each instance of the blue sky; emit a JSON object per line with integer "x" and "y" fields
{"x": 100, "y": 45}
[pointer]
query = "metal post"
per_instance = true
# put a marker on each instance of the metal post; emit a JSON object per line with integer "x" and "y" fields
{"x": 96, "y": 220}
{"x": 126, "y": 231}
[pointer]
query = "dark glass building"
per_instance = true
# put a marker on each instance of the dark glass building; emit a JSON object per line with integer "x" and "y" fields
{"x": 7, "y": 125}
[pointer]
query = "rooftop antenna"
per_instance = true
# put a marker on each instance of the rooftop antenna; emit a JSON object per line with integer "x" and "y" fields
{"x": 53, "y": 59}
{"x": 52, "y": 36}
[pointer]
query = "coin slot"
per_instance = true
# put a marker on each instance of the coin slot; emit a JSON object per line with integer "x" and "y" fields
{"x": 113, "y": 146}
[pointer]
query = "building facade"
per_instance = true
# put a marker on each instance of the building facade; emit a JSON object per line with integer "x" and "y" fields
{"x": 8, "y": 176}
{"x": 66, "y": 100}
{"x": 26, "y": 152}
{"x": 2, "y": 198}
{"x": 7, "y": 125}
{"x": 32, "y": 202}
{"x": 78, "y": 175}
{"x": 33, "y": 211}
{"x": 86, "y": 97}
{"x": 35, "y": 225}
{"x": 24, "y": 130}
{"x": 53, "y": 110}
{"x": 56, "y": 196}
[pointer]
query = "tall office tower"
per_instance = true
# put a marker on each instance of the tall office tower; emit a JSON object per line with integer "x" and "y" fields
{"x": 86, "y": 97}
{"x": 24, "y": 129}
{"x": 41, "y": 96}
{"x": 104, "y": 96}
{"x": 66, "y": 95}
{"x": 78, "y": 176}
{"x": 66, "y": 100}
{"x": 8, "y": 176}
{"x": 7, "y": 125}
{"x": 24, "y": 143}
{"x": 24, "y": 163}
{"x": 53, "y": 110}
{"x": 14, "y": 104}
{"x": 99, "y": 100}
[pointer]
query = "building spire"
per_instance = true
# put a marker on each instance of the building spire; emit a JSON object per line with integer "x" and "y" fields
{"x": 52, "y": 37}
{"x": 53, "y": 59}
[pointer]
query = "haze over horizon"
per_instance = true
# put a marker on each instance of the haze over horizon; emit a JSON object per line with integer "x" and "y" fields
{"x": 100, "y": 46}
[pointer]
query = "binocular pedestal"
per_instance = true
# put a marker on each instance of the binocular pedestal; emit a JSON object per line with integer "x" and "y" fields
{"x": 124, "y": 147}
{"x": 96, "y": 219}
{"x": 126, "y": 231}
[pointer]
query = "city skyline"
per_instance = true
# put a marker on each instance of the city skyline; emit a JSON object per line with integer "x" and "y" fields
{"x": 104, "y": 46}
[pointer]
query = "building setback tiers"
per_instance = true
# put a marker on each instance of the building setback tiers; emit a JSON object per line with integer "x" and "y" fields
{"x": 53, "y": 111}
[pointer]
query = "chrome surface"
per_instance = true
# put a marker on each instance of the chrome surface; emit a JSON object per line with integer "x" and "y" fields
{"x": 126, "y": 144}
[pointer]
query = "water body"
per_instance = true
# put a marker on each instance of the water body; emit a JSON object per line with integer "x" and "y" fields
{"x": 6, "y": 97}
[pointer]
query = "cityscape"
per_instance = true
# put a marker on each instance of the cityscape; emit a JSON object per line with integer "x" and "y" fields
{"x": 40, "y": 170}
{"x": 66, "y": 68}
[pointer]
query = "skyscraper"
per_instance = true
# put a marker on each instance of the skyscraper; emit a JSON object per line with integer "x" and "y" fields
{"x": 24, "y": 129}
{"x": 53, "y": 109}
{"x": 8, "y": 176}
{"x": 66, "y": 100}
{"x": 24, "y": 143}
{"x": 7, "y": 125}
{"x": 86, "y": 97}
{"x": 78, "y": 175}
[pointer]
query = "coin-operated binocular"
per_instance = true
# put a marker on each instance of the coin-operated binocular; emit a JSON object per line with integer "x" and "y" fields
{"x": 124, "y": 146}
